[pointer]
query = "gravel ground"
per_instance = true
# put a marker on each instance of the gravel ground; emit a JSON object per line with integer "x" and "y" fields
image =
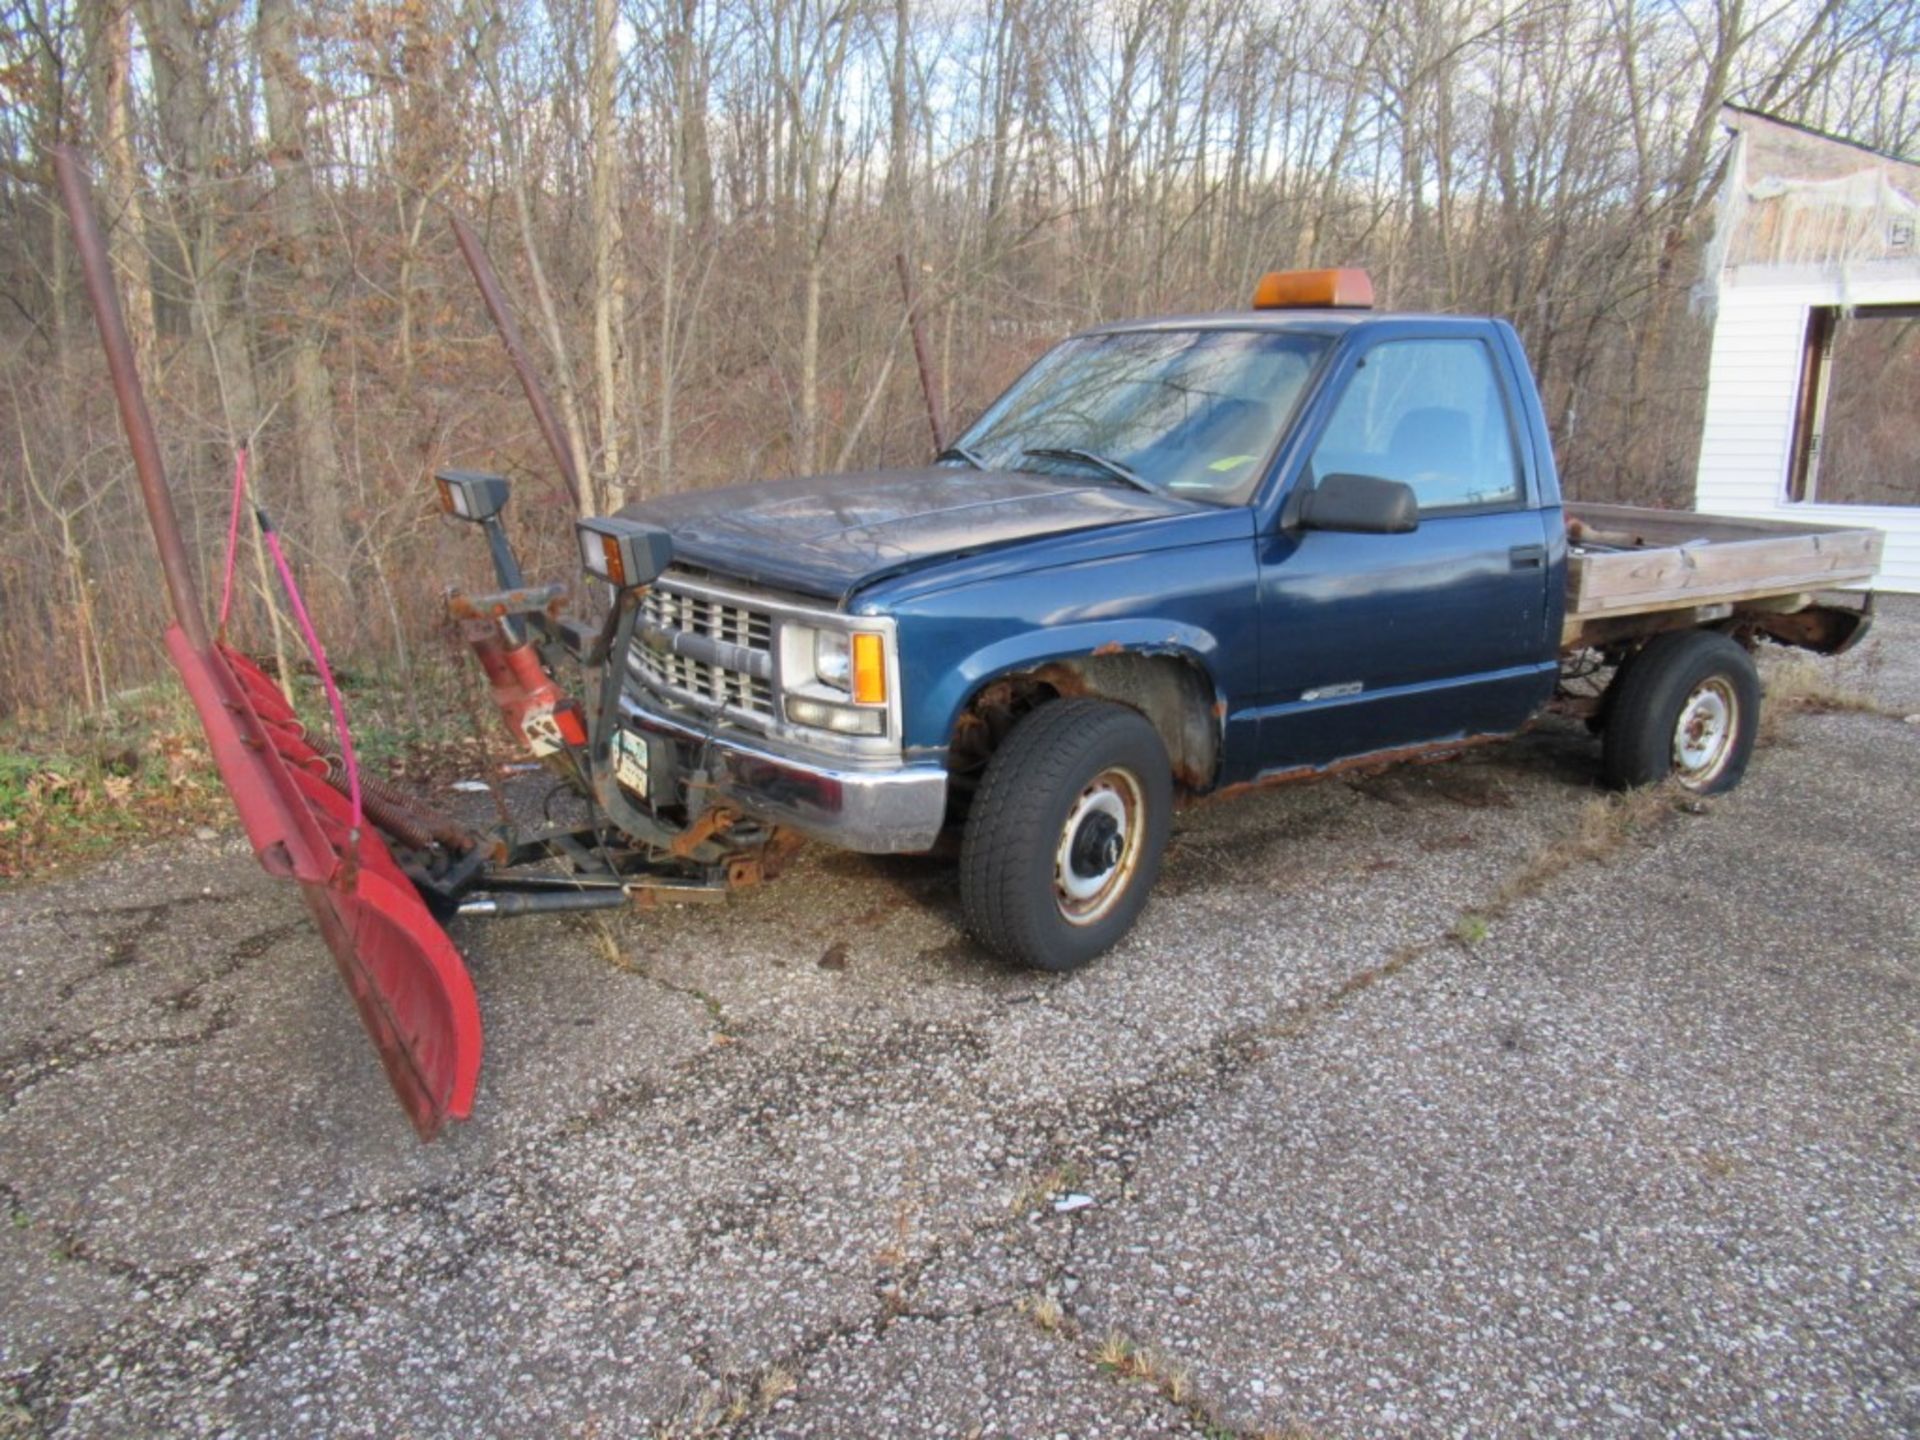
{"x": 1448, "y": 1101}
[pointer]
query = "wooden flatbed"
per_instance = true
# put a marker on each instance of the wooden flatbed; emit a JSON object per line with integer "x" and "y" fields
{"x": 1631, "y": 569}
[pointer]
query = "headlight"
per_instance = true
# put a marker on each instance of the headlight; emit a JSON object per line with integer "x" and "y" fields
{"x": 836, "y": 679}
{"x": 833, "y": 659}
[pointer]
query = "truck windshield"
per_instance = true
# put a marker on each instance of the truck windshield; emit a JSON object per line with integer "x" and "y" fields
{"x": 1193, "y": 412}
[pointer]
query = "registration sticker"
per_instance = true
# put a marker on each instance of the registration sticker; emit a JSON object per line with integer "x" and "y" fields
{"x": 630, "y": 761}
{"x": 542, "y": 731}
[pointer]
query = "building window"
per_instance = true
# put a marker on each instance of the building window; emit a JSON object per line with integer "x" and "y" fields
{"x": 1856, "y": 434}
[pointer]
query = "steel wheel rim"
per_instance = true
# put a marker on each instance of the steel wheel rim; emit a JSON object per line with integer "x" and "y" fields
{"x": 1703, "y": 734}
{"x": 1098, "y": 851}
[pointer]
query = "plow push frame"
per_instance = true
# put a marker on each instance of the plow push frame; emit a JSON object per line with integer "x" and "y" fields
{"x": 378, "y": 867}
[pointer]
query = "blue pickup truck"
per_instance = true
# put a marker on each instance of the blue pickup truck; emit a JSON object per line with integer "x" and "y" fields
{"x": 1179, "y": 556}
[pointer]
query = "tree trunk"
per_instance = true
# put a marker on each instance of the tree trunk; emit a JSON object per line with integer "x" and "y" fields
{"x": 189, "y": 112}
{"x": 900, "y": 124}
{"x": 317, "y": 473}
{"x": 610, "y": 360}
{"x": 693, "y": 154}
{"x": 807, "y": 441}
{"x": 110, "y": 47}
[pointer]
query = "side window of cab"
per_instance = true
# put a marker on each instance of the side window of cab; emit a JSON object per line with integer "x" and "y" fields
{"x": 1429, "y": 413}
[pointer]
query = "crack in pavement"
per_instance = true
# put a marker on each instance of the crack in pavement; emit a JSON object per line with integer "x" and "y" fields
{"x": 53, "y": 1054}
{"x": 121, "y": 947}
{"x": 37, "y": 1061}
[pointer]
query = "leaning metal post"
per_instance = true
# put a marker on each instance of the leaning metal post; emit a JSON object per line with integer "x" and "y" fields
{"x": 935, "y": 421}
{"x": 92, "y": 248}
{"x": 497, "y": 307}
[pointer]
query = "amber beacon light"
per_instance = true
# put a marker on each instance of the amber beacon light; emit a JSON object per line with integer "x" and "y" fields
{"x": 1347, "y": 289}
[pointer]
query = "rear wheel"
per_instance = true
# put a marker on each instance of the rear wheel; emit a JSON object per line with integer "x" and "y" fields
{"x": 1065, "y": 835}
{"x": 1687, "y": 706}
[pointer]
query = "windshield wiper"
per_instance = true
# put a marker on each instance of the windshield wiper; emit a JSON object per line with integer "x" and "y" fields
{"x": 1099, "y": 462}
{"x": 961, "y": 452}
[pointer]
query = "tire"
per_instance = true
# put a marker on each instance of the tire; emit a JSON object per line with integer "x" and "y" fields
{"x": 1066, "y": 833}
{"x": 1686, "y": 707}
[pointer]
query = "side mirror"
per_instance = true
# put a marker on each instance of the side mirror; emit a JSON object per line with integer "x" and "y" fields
{"x": 1363, "y": 504}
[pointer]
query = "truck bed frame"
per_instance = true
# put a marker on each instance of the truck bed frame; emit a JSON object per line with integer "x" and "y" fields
{"x": 1633, "y": 571}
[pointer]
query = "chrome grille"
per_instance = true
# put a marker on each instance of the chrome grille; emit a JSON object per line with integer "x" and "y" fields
{"x": 673, "y": 611}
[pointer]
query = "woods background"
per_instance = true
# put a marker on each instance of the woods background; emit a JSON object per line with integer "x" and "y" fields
{"x": 697, "y": 203}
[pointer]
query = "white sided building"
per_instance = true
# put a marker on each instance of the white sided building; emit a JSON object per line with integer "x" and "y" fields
{"x": 1813, "y": 396}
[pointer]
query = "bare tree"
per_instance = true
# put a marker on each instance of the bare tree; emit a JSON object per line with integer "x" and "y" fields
{"x": 611, "y": 361}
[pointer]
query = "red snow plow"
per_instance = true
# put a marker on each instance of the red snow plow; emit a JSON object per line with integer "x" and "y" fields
{"x": 379, "y": 867}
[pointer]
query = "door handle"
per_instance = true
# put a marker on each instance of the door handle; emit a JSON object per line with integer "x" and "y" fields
{"x": 1527, "y": 557}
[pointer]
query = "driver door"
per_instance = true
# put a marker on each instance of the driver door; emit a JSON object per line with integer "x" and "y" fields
{"x": 1371, "y": 642}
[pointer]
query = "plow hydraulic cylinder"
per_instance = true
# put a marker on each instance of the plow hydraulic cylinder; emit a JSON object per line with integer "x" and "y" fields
{"x": 536, "y": 712}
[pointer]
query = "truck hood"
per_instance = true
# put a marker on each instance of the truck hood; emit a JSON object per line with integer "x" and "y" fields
{"x": 829, "y": 535}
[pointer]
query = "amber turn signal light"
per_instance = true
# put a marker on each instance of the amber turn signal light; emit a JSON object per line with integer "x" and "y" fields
{"x": 869, "y": 669}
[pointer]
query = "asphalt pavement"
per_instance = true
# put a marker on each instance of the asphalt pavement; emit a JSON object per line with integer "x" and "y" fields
{"x": 1455, "y": 1100}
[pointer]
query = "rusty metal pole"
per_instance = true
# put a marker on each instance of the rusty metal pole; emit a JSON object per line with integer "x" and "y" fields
{"x": 935, "y": 421}
{"x": 175, "y": 563}
{"x": 496, "y": 303}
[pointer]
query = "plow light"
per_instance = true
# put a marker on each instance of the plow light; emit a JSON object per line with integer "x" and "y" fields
{"x": 624, "y": 553}
{"x": 470, "y": 494}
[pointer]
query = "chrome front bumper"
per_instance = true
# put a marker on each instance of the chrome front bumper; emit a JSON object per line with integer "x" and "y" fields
{"x": 877, "y": 810}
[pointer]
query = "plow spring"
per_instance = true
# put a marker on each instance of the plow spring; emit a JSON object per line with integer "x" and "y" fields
{"x": 377, "y": 867}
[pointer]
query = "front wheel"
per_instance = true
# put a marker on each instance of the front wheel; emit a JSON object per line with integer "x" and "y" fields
{"x": 1065, "y": 835}
{"x": 1687, "y": 706}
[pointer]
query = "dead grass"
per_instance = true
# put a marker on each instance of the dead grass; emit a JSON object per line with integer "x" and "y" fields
{"x": 1045, "y": 1312}
{"x": 1123, "y": 1358}
{"x": 1796, "y": 681}
{"x": 1715, "y": 1164}
{"x": 1304, "y": 1020}
{"x": 735, "y": 1400}
{"x": 606, "y": 944}
{"x": 1603, "y": 826}
{"x": 1120, "y": 1356}
{"x": 16, "y": 1421}
{"x": 774, "y": 1383}
{"x": 894, "y": 1254}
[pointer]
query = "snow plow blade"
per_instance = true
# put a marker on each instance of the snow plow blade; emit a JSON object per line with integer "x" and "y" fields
{"x": 408, "y": 982}
{"x": 406, "y": 979}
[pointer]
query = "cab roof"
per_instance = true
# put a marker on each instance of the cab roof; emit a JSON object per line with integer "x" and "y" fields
{"x": 1309, "y": 321}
